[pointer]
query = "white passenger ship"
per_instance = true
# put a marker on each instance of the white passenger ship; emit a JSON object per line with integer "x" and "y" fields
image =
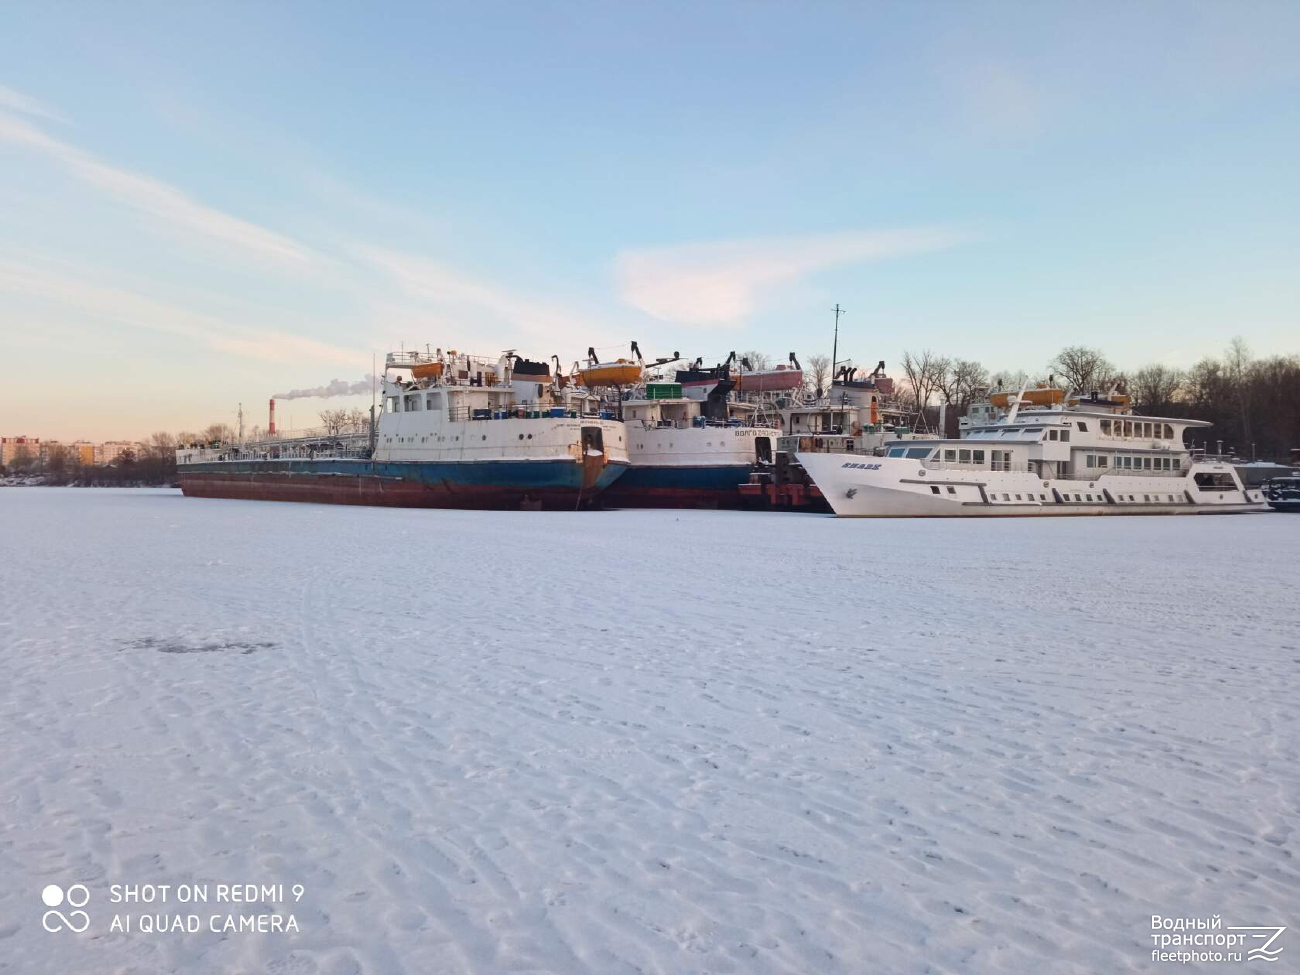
{"x": 1085, "y": 457}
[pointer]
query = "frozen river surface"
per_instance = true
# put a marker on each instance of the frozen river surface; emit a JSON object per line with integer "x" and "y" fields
{"x": 641, "y": 741}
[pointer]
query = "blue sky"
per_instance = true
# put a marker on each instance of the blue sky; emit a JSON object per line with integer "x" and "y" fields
{"x": 203, "y": 205}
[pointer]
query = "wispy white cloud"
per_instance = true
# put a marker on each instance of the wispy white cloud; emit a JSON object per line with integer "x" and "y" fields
{"x": 105, "y": 303}
{"x": 453, "y": 294}
{"x": 160, "y": 200}
{"x": 16, "y": 101}
{"x": 721, "y": 283}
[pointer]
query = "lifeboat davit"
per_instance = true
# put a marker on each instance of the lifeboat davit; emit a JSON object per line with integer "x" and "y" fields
{"x": 769, "y": 380}
{"x": 1042, "y": 396}
{"x": 624, "y": 372}
{"x": 427, "y": 370}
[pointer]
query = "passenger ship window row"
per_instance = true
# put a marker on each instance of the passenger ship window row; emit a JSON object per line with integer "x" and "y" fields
{"x": 1141, "y": 429}
{"x": 1124, "y": 462}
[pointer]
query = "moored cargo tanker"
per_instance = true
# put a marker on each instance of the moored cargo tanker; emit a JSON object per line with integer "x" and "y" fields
{"x": 689, "y": 451}
{"x": 452, "y": 431}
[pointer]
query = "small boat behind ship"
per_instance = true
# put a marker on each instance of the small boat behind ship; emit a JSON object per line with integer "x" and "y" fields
{"x": 455, "y": 431}
{"x": 1086, "y": 456}
{"x": 1283, "y": 494}
{"x": 780, "y": 379}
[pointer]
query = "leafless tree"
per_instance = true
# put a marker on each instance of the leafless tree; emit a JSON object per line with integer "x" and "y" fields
{"x": 816, "y": 377}
{"x": 162, "y": 446}
{"x": 334, "y": 421}
{"x": 358, "y": 420}
{"x": 216, "y": 431}
{"x": 1237, "y": 366}
{"x": 1155, "y": 387}
{"x": 957, "y": 384}
{"x": 959, "y": 381}
{"x": 1083, "y": 369}
{"x": 22, "y": 459}
{"x": 757, "y": 360}
{"x": 923, "y": 371}
{"x": 56, "y": 459}
{"x": 1010, "y": 379}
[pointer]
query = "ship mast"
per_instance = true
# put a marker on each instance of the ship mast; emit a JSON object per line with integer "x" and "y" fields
{"x": 835, "y": 346}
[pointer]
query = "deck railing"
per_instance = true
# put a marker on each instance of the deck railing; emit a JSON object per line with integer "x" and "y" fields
{"x": 459, "y": 414}
{"x": 705, "y": 423}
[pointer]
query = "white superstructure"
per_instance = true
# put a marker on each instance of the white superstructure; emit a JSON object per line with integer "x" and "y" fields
{"x": 1086, "y": 458}
{"x": 454, "y": 430}
{"x": 678, "y": 433}
{"x": 451, "y": 407}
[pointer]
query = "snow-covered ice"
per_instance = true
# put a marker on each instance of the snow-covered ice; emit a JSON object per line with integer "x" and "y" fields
{"x": 645, "y": 741}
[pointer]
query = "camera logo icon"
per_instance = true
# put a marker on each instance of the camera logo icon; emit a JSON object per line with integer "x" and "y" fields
{"x": 55, "y": 920}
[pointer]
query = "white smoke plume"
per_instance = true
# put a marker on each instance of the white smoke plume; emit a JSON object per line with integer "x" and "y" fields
{"x": 335, "y": 387}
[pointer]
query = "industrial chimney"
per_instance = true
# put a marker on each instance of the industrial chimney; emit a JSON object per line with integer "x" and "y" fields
{"x": 271, "y": 430}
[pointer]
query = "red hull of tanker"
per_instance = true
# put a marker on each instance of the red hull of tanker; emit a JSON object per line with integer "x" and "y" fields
{"x": 380, "y": 491}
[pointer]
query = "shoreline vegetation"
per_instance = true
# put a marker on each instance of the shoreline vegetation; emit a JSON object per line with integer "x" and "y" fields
{"x": 1253, "y": 404}
{"x": 152, "y": 465}
{"x": 45, "y": 480}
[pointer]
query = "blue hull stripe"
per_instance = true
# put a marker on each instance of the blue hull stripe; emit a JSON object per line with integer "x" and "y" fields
{"x": 722, "y": 478}
{"x": 522, "y": 475}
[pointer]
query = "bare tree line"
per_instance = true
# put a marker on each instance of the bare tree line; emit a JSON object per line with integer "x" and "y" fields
{"x": 337, "y": 422}
{"x": 1254, "y": 404}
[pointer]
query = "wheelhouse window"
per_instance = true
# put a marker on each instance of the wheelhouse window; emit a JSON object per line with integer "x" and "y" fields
{"x": 963, "y": 456}
{"x": 1105, "y": 427}
{"x": 950, "y": 456}
{"x": 1169, "y": 432}
{"x": 412, "y": 402}
{"x": 433, "y": 401}
{"x": 1065, "y": 435}
{"x": 392, "y": 404}
{"x": 918, "y": 453}
{"x": 977, "y": 457}
{"x": 1083, "y": 427}
{"x": 1051, "y": 434}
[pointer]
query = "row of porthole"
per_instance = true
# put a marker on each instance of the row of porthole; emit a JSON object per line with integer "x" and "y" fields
{"x": 641, "y": 446}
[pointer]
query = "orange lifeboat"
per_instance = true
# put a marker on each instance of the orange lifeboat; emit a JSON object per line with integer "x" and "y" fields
{"x": 624, "y": 372}
{"x": 1042, "y": 396}
{"x": 427, "y": 370}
